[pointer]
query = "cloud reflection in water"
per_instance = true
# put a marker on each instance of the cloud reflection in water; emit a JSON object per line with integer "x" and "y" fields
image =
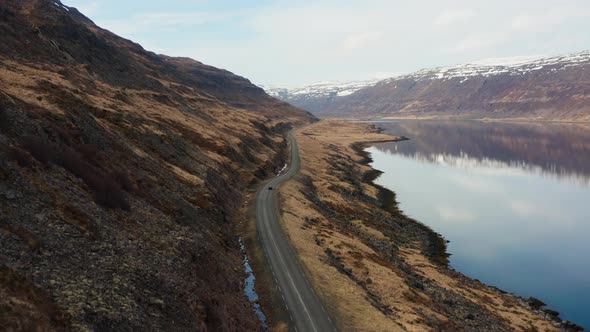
{"x": 511, "y": 198}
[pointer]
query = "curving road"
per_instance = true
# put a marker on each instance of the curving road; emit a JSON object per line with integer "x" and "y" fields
{"x": 306, "y": 311}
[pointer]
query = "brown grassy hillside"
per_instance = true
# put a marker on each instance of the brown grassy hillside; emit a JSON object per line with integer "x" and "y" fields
{"x": 119, "y": 173}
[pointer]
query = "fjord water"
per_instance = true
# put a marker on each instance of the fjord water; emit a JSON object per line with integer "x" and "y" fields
{"x": 512, "y": 199}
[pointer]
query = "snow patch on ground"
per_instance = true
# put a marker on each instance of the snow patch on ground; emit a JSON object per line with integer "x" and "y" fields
{"x": 59, "y": 5}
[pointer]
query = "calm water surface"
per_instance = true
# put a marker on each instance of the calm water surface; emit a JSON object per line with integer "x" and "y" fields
{"x": 512, "y": 199}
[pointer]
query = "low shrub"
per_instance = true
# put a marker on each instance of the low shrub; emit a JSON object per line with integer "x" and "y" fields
{"x": 73, "y": 162}
{"x": 22, "y": 158}
{"x": 4, "y": 120}
{"x": 107, "y": 192}
{"x": 535, "y": 303}
{"x": 42, "y": 151}
{"x": 123, "y": 179}
{"x": 25, "y": 307}
{"x": 30, "y": 239}
{"x": 107, "y": 189}
{"x": 552, "y": 313}
{"x": 88, "y": 151}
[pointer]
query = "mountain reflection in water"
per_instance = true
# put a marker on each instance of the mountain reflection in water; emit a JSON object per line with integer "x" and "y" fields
{"x": 561, "y": 150}
{"x": 513, "y": 199}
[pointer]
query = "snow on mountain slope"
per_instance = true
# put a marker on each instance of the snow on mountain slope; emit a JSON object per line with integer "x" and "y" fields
{"x": 518, "y": 65}
{"x": 318, "y": 95}
{"x": 321, "y": 89}
{"x": 555, "y": 88}
{"x": 498, "y": 66}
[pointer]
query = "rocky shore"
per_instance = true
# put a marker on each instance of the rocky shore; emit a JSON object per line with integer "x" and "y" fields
{"x": 375, "y": 268}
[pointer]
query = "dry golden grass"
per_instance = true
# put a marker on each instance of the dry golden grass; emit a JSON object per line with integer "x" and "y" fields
{"x": 347, "y": 296}
{"x": 344, "y": 297}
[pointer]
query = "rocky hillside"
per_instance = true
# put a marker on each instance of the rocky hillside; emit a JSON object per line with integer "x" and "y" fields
{"x": 120, "y": 171}
{"x": 555, "y": 89}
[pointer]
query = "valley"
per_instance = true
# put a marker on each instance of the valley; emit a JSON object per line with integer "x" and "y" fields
{"x": 147, "y": 192}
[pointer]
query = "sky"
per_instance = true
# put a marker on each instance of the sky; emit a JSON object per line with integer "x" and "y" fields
{"x": 298, "y": 42}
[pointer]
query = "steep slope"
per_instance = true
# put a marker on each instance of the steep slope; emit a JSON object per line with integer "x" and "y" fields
{"x": 120, "y": 171}
{"x": 554, "y": 89}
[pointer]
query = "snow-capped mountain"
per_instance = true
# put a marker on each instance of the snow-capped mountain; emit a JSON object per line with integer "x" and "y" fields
{"x": 322, "y": 89}
{"x": 308, "y": 97}
{"x": 553, "y": 88}
{"x": 500, "y": 66}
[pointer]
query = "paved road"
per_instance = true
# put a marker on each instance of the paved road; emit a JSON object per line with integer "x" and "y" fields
{"x": 305, "y": 309}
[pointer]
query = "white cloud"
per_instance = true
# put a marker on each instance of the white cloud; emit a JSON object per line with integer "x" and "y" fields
{"x": 480, "y": 43}
{"x": 546, "y": 20}
{"x": 144, "y": 22}
{"x": 451, "y": 17}
{"x": 303, "y": 41}
{"x": 363, "y": 40}
{"x": 524, "y": 22}
{"x": 90, "y": 9}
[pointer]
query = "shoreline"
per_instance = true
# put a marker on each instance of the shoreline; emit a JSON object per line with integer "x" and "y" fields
{"x": 375, "y": 268}
{"x": 450, "y": 119}
{"x": 439, "y": 248}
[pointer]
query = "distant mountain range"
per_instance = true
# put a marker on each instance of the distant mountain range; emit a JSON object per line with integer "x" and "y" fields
{"x": 552, "y": 89}
{"x": 318, "y": 95}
